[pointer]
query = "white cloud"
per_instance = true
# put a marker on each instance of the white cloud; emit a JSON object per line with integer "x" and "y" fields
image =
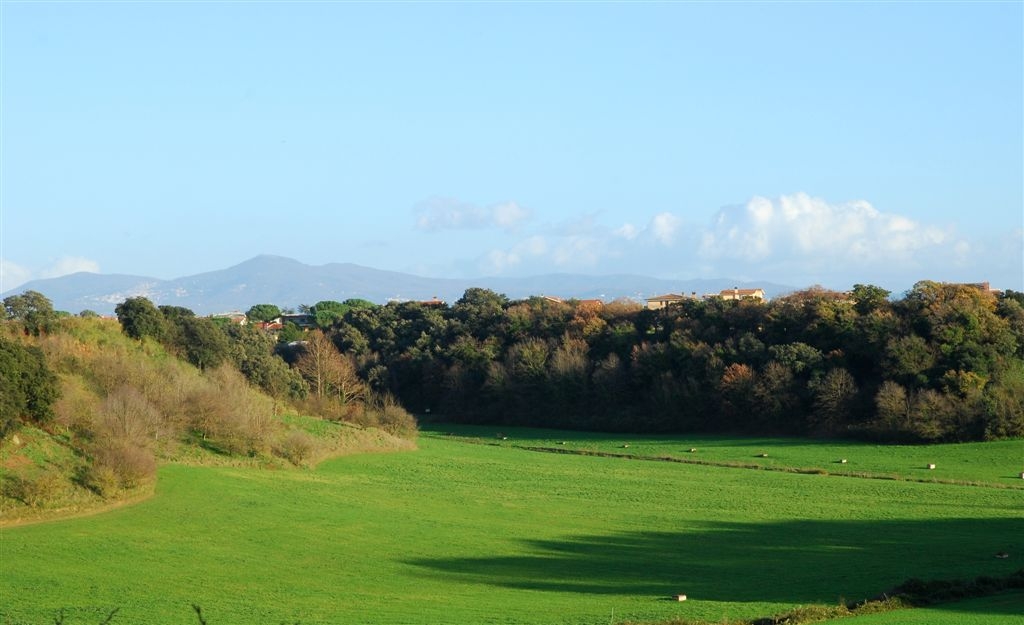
{"x": 585, "y": 244}
{"x": 664, "y": 227}
{"x": 508, "y": 215}
{"x": 803, "y": 227}
{"x": 579, "y": 252}
{"x": 500, "y": 261}
{"x": 534, "y": 246}
{"x": 794, "y": 239}
{"x": 627, "y": 231}
{"x": 13, "y": 275}
{"x": 452, "y": 214}
{"x": 69, "y": 265}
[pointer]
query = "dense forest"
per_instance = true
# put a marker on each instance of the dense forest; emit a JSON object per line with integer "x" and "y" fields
{"x": 943, "y": 363}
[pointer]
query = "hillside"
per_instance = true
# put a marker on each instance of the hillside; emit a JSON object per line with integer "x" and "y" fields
{"x": 289, "y": 283}
{"x": 124, "y": 407}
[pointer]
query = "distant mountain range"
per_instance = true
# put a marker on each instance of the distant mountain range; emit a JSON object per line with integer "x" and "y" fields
{"x": 288, "y": 283}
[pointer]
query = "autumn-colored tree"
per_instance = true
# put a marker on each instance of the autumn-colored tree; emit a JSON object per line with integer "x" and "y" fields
{"x": 893, "y": 406}
{"x": 737, "y": 386}
{"x": 936, "y": 362}
{"x": 329, "y": 372}
{"x": 868, "y": 298}
{"x": 777, "y": 397}
{"x": 834, "y": 396}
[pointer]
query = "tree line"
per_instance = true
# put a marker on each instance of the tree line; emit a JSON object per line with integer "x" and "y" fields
{"x": 944, "y": 362}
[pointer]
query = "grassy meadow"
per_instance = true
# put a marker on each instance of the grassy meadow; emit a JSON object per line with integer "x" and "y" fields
{"x": 494, "y": 533}
{"x": 996, "y": 463}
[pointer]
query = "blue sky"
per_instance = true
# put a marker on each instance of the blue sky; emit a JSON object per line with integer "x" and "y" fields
{"x": 795, "y": 143}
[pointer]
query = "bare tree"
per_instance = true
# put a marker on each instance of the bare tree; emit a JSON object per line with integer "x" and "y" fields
{"x": 329, "y": 372}
{"x": 833, "y": 399}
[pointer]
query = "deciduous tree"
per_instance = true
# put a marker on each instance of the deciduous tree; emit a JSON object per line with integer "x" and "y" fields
{"x": 33, "y": 310}
{"x": 140, "y": 318}
{"x": 834, "y": 396}
{"x": 329, "y": 372}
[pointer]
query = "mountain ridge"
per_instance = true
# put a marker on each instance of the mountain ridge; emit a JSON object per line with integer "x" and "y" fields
{"x": 288, "y": 282}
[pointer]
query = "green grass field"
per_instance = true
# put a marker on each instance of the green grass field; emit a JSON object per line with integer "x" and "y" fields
{"x": 469, "y": 533}
{"x": 999, "y": 464}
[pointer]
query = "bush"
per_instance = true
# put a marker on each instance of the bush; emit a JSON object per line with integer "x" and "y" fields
{"x": 77, "y": 407}
{"x": 35, "y": 490}
{"x": 119, "y": 465}
{"x": 230, "y": 415}
{"x": 396, "y": 420}
{"x": 296, "y": 447}
{"x": 325, "y": 407}
{"x": 126, "y": 415}
{"x": 101, "y": 480}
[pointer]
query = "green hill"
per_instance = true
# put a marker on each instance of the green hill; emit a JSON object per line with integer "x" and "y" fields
{"x": 124, "y": 407}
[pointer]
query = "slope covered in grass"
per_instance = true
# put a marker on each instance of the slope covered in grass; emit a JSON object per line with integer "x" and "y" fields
{"x": 127, "y": 406}
{"x": 459, "y": 533}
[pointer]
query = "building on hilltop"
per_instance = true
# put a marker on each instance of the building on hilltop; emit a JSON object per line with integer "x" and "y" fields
{"x": 301, "y": 320}
{"x": 736, "y": 293}
{"x": 274, "y": 325}
{"x": 584, "y": 303}
{"x": 664, "y": 301}
{"x": 984, "y": 287}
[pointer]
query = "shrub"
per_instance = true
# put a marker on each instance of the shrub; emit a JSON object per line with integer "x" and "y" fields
{"x": 230, "y": 415}
{"x": 102, "y": 480}
{"x": 396, "y": 420}
{"x": 77, "y": 407}
{"x": 119, "y": 464}
{"x": 324, "y": 407}
{"x": 296, "y": 447}
{"x": 35, "y": 490}
{"x": 126, "y": 415}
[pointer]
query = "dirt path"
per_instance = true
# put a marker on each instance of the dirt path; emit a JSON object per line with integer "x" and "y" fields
{"x": 61, "y": 514}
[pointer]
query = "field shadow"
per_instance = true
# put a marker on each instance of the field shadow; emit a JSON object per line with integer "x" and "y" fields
{"x": 795, "y": 561}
